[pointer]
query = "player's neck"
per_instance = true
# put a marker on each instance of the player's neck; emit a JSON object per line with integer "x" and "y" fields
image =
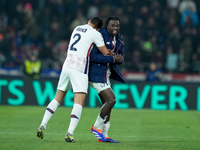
{"x": 92, "y": 25}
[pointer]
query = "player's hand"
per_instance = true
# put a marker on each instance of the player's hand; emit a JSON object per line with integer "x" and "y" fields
{"x": 111, "y": 53}
{"x": 118, "y": 58}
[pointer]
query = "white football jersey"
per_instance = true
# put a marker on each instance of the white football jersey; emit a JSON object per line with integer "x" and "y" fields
{"x": 82, "y": 39}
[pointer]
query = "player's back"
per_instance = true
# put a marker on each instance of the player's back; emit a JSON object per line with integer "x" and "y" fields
{"x": 81, "y": 43}
{"x": 81, "y": 40}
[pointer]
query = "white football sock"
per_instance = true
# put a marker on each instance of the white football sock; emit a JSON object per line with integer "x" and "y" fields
{"x": 99, "y": 122}
{"x": 105, "y": 128}
{"x": 51, "y": 108}
{"x": 75, "y": 117}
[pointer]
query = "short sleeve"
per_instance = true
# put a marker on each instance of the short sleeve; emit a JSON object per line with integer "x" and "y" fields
{"x": 98, "y": 39}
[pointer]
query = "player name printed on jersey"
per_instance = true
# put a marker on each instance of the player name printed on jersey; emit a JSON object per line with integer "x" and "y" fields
{"x": 81, "y": 29}
{"x": 75, "y": 62}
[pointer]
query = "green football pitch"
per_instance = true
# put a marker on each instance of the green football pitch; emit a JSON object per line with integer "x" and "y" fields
{"x": 143, "y": 129}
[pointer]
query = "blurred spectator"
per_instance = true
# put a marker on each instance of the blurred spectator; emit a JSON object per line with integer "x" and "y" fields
{"x": 46, "y": 55}
{"x": 3, "y": 46}
{"x": 171, "y": 60}
{"x": 158, "y": 58}
{"x": 154, "y": 42}
{"x": 172, "y": 21}
{"x": 55, "y": 33}
{"x": 151, "y": 28}
{"x": 105, "y": 11}
{"x": 80, "y": 19}
{"x": 187, "y": 5}
{"x": 32, "y": 66}
{"x": 14, "y": 60}
{"x": 189, "y": 18}
{"x": 139, "y": 28}
{"x": 153, "y": 74}
{"x": 195, "y": 64}
{"x": 157, "y": 17}
{"x": 62, "y": 46}
{"x": 187, "y": 45}
{"x": 136, "y": 41}
{"x": 92, "y": 11}
{"x": 174, "y": 38}
{"x": 172, "y": 3}
{"x": 182, "y": 61}
{"x": 28, "y": 9}
{"x": 147, "y": 51}
{"x": 144, "y": 13}
{"x": 198, "y": 52}
{"x": 136, "y": 61}
{"x": 125, "y": 25}
{"x": 2, "y": 59}
{"x": 154, "y": 5}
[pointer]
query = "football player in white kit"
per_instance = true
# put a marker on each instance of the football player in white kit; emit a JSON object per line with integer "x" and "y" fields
{"x": 74, "y": 73}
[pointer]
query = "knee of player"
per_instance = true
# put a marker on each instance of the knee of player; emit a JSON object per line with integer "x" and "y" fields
{"x": 112, "y": 102}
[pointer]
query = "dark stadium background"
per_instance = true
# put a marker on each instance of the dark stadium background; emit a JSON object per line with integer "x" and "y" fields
{"x": 152, "y": 29}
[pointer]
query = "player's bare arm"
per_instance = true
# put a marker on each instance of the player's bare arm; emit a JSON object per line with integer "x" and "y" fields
{"x": 104, "y": 50}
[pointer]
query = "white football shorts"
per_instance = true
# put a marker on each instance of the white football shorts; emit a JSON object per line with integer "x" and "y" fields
{"x": 70, "y": 78}
{"x": 100, "y": 86}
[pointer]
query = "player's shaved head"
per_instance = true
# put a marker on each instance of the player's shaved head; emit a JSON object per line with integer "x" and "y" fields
{"x": 97, "y": 22}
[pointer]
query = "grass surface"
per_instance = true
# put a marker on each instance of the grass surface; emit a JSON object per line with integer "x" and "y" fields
{"x": 135, "y": 129}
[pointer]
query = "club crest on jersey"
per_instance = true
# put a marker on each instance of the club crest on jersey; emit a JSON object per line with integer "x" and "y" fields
{"x": 107, "y": 42}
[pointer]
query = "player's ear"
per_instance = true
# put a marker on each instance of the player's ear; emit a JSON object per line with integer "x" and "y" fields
{"x": 89, "y": 21}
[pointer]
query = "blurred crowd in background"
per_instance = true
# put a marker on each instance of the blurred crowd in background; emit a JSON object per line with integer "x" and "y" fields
{"x": 165, "y": 32}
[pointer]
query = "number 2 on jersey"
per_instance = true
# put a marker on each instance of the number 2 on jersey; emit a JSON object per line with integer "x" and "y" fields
{"x": 75, "y": 42}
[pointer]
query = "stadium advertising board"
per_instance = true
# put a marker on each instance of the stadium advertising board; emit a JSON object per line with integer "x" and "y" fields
{"x": 157, "y": 96}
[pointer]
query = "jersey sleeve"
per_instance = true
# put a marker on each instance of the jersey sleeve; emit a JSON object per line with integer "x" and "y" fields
{"x": 98, "y": 39}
